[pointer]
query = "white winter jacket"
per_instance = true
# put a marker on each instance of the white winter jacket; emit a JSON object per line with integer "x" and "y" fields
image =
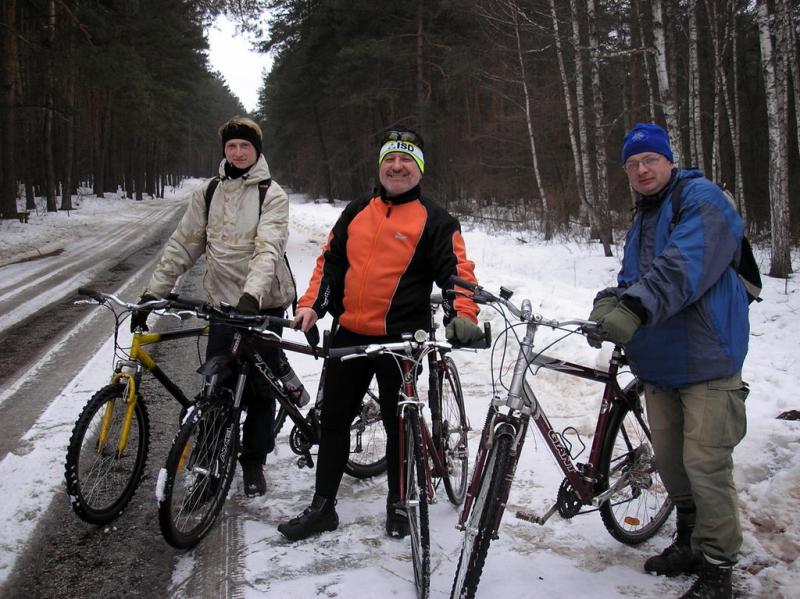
{"x": 244, "y": 253}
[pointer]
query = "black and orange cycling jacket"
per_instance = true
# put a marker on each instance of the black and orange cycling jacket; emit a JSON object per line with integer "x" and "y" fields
{"x": 378, "y": 266}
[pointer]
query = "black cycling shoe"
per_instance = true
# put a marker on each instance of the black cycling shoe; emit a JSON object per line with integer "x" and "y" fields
{"x": 396, "y": 518}
{"x": 319, "y": 517}
{"x": 253, "y": 476}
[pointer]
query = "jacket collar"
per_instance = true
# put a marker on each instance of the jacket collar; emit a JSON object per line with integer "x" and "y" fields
{"x": 653, "y": 201}
{"x": 409, "y": 196}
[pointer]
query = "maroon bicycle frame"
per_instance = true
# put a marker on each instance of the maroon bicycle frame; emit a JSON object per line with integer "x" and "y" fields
{"x": 582, "y": 477}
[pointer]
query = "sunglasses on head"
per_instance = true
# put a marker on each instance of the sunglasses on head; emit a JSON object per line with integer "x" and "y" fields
{"x": 408, "y": 136}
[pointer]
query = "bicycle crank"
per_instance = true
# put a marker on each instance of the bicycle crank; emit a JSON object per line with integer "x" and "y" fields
{"x": 567, "y": 501}
{"x": 568, "y": 504}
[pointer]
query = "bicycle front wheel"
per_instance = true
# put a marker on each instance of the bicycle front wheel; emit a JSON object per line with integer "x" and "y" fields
{"x": 416, "y": 505}
{"x": 453, "y": 434}
{"x": 104, "y": 464}
{"x": 367, "y": 439}
{"x": 193, "y": 485}
{"x": 640, "y": 505}
{"x": 483, "y": 519}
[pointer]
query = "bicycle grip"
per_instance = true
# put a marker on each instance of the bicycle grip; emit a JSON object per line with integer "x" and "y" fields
{"x": 341, "y": 352}
{"x": 312, "y": 336}
{"x": 462, "y": 283}
{"x": 484, "y": 342}
{"x": 185, "y": 302}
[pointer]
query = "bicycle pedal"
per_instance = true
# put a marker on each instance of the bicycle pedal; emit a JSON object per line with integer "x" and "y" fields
{"x": 528, "y": 516}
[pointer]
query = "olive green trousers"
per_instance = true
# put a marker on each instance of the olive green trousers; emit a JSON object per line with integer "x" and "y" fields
{"x": 695, "y": 429}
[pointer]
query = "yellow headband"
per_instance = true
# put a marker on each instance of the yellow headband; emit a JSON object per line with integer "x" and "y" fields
{"x": 406, "y": 147}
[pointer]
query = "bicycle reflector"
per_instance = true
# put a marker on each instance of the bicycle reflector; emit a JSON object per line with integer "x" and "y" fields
{"x": 632, "y": 521}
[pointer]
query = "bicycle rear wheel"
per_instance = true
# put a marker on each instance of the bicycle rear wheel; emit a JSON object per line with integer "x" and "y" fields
{"x": 641, "y": 505}
{"x": 486, "y": 510}
{"x": 101, "y": 480}
{"x": 193, "y": 485}
{"x": 453, "y": 434}
{"x": 367, "y": 439}
{"x": 416, "y": 504}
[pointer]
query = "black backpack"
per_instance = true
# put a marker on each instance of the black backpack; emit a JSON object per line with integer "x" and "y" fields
{"x": 747, "y": 269}
{"x": 263, "y": 186}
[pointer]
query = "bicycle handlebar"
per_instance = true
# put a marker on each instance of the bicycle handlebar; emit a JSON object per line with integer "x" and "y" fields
{"x": 201, "y": 309}
{"x": 524, "y": 312}
{"x": 374, "y": 349}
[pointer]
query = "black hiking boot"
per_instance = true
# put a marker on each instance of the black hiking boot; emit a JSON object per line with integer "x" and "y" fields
{"x": 396, "y": 518}
{"x": 714, "y": 582}
{"x": 674, "y": 560}
{"x": 319, "y": 517}
{"x": 678, "y": 558}
{"x": 253, "y": 477}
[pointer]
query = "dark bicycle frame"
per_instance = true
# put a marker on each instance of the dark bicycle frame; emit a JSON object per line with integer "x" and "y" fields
{"x": 248, "y": 358}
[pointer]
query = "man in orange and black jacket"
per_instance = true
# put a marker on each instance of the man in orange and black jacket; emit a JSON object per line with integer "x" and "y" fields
{"x": 376, "y": 274}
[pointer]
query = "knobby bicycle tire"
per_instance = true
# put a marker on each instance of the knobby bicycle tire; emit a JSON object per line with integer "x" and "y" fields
{"x": 280, "y": 419}
{"x": 416, "y": 503}
{"x": 194, "y": 483}
{"x": 639, "y": 509}
{"x": 482, "y": 519}
{"x": 367, "y": 440}
{"x": 100, "y": 483}
{"x": 453, "y": 434}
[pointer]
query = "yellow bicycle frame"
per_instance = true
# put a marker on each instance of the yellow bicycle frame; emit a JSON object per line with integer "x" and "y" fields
{"x": 130, "y": 372}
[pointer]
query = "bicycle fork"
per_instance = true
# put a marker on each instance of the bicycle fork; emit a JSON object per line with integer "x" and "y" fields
{"x": 496, "y": 425}
{"x": 128, "y": 372}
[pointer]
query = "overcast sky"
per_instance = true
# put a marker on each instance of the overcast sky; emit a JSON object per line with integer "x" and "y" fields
{"x": 230, "y": 54}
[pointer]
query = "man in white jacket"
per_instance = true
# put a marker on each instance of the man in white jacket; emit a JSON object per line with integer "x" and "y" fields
{"x": 244, "y": 241}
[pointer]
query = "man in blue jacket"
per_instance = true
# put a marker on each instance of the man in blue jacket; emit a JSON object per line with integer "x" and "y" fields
{"x": 681, "y": 312}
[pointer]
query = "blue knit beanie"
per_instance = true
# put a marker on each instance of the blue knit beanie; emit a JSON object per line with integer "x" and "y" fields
{"x": 646, "y": 137}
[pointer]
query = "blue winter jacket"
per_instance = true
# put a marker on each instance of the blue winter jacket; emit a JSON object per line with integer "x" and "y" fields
{"x": 697, "y": 311}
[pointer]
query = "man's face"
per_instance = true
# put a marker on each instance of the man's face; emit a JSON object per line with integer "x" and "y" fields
{"x": 240, "y": 153}
{"x": 648, "y": 172}
{"x": 398, "y": 173}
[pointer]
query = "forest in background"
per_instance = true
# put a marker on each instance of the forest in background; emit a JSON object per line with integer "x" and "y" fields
{"x": 522, "y": 103}
{"x": 106, "y": 94}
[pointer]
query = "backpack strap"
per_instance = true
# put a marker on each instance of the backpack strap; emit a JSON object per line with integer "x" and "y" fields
{"x": 263, "y": 186}
{"x": 209, "y": 194}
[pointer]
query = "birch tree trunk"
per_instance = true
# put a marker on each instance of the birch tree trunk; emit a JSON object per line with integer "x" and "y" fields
{"x": 604, "y": 219}
{"x": 664, "y": 90}
{"x": 573, "y": 142}
{"x": 513, "y": 8}
{"x": 779, "y": 201}
{"x": 580, "y": 106}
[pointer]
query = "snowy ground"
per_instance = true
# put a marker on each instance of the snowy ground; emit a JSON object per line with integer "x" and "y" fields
{"x": 560, "y": 559}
